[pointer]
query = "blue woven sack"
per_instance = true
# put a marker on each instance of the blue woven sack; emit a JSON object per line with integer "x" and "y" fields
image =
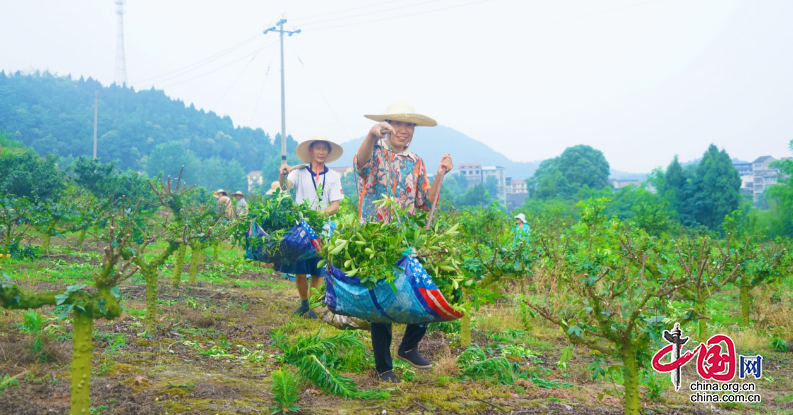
{"x": 300, "y": 243}
{"x": 417, "y": 299}
{"x": 257, "y": 254}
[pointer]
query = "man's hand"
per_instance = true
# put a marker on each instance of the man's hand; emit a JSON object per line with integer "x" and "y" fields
{"x": 284, "y": 170}
{"x": 446, "y": 162}
{"x": 376, "y": 134}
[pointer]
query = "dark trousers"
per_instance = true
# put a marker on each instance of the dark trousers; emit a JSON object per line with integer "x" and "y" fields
{"x": 381, "y": 343}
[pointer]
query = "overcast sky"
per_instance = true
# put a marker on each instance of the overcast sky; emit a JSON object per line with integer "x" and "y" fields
{"x": 639, "y": 80}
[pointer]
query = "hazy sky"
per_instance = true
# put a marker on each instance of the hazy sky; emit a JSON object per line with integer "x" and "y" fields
{"x": 639, "y": 80}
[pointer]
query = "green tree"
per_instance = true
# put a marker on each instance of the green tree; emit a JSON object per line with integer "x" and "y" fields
{"x": 167, "y": 159}
{"x": 563, "y": 176}
{"x": 216, "y": 173}
{"x": 718, "y": 187}
{"x": 26, "y": 175}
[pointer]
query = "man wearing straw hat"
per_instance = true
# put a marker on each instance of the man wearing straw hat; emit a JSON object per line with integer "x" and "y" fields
{"x": 321, "y": 187}
{"x": 242, "y": 205}
{"x": 387, "y": 167}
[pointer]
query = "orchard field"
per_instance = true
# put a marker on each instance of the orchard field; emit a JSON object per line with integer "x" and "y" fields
{"x": 127, "y": 296}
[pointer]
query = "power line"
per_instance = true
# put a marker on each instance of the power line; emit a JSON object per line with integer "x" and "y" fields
{"x": 255, "y": 107}
{"x": 205, "y": 60}
{"x": 320, "y": 91}
{"x": 370, "y": 13}
{"x": 235, "y": 81}
{"x": 400, "y": 16}
{"x": 346, "y": 10}
{"x": 218, "y": 68}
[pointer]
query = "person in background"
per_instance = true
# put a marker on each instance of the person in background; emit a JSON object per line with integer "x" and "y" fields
{"x": 521, "y": 227}
{"x": 321, "y": 187}
{"x": 224, "y": 204}
{"x": 242, "y": 205}
{"x": 273, "y": 187}
{"x": 388, "y": 168}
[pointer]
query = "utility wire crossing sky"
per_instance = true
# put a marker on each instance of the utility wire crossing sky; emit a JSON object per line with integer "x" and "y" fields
{"x": 641, "y": 81}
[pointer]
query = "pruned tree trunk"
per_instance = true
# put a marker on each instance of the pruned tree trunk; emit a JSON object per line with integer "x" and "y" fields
{"x": 81, "y": 239}
{"x": 699, "y": 310}
{"x": 196, "y": 252}
{"x": 465, "y": 330}
{"x": 45, "y": 242}
{"x": 746, "y": 305}
{"x": 630, "y": 372}
{"x": 215, "y": 250}
{"x": 176, "y": 277}
{"x": 465, "y": 323}
{"x": 150, "y": 275}
{"x": 81, "y": 363}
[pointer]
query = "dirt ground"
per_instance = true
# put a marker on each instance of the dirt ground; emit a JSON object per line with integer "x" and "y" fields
{"x": 172, "y": 373}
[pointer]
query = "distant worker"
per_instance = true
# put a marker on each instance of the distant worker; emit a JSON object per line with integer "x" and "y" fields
{"x": 521, "y": 227}
{"x": 273, "y": 187}
{"x": 242, "y": 205}
{"x": 224, "y": 204}
{"x": 321, "y": 187}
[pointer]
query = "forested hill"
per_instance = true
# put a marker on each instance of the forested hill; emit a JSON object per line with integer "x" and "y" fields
{"x": 55, "y": 114}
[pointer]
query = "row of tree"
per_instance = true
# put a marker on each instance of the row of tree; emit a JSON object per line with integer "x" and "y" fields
{"x": 699, "y": 194}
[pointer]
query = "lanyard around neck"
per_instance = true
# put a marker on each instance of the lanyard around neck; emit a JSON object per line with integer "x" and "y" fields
{"x": 314, "y": 182}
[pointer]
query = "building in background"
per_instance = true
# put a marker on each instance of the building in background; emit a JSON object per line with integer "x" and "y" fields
{"x": 254, "y": 180}
{"x": 515, "y": 186}
{"x": 620, "y": 183}
{"x": 747, "y": 176}
{"x": 763, "y": 175}
{"x": 472, "y": 173}
{"x": 499, "y": 173}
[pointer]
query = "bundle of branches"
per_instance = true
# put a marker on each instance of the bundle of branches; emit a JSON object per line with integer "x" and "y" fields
{"x": 320, "y": 358}
{"x": 275, "y": 214}
{"x": 370, "y": 250}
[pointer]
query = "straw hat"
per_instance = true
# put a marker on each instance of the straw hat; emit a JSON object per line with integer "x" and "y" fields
{"x": 218, "y": 192}
{"x": 273, "y": 187}
{"x": 401, "y": 111}
{"x": 238, "y": 193}
{"x": 304, "y": 154}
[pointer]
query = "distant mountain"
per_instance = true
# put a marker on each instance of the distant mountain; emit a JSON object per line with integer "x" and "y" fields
{"x": 432, "y": 143}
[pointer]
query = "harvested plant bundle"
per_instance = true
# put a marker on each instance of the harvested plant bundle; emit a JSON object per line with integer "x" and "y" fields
{"x": 371, "y": 251}
{"x": 272, "y": 220}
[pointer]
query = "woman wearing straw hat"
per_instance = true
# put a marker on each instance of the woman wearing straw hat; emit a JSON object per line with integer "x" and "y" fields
{"x": 388, "y": 168}
{"x": 321, "y": 187}
{"x": 224, "y": 203}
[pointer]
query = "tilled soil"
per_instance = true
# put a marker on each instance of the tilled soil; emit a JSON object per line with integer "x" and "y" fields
{"x": 170, "y": 372}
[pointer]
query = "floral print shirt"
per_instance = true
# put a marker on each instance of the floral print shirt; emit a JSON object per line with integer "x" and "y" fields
{"x": 402, "y": 175}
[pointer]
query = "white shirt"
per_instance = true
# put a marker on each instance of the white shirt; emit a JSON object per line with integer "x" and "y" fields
{"x": 305, "y": 187}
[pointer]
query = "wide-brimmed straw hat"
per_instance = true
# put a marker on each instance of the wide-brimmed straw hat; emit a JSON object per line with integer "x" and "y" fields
{"x": 238, "y": 193}
{"x": 304, "y": 154}
{"x": 401, "y": 111}
{"x": 273, "y": 187}
{"x": 218, "y": 192}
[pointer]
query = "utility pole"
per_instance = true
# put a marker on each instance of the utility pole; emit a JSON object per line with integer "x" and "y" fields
{"x": 96, "y": 105}
{"x": 281, "y": 30}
